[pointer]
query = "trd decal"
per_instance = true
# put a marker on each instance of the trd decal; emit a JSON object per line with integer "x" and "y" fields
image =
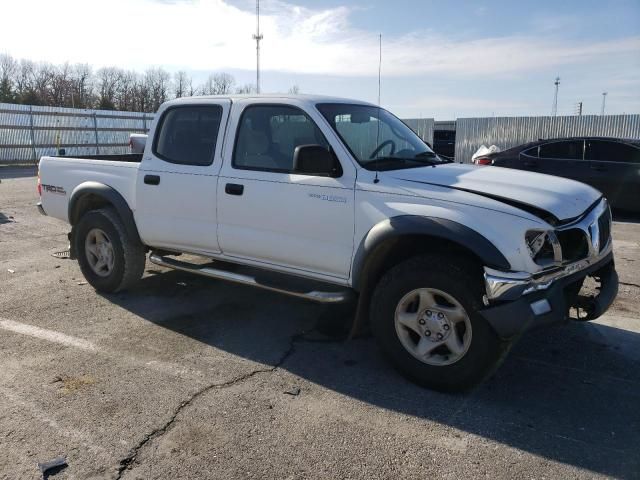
{"x": 54, "y": 189}
{"x": 329, "y": 198}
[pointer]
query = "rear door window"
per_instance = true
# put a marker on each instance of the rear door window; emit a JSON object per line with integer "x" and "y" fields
{"x": 565, "y": 150}
{"x": 609, "y": 151}
{"x": 187, "y": 135}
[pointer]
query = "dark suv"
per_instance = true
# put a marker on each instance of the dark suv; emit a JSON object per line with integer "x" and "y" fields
{"x": 611, "y": 165}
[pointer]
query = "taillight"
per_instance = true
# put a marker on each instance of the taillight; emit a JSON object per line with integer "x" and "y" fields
{"x": 483, "y": 161}
{"x": 39, "y": 185}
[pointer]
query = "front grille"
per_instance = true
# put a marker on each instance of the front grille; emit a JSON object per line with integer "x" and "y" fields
{"x": 574, "y": 244}
{"x": 604, "y": 228}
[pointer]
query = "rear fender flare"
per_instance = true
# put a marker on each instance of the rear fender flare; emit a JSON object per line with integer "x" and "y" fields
{"x": 109, "y": 195}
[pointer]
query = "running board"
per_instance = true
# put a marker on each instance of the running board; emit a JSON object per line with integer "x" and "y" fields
{"x": 208, "y": 271}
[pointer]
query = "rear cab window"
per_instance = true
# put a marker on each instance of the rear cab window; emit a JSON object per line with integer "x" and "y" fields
{"x": 187, "y": 135}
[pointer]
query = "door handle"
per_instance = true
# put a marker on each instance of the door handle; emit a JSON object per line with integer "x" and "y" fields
{"x": 234, "y": 189}
{"x": 152, "y": 179}
{"x": 598, "y": 168}
{"x": 530, "y": 164}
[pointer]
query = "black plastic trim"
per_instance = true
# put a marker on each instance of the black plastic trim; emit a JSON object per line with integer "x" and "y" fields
{"x": 433, "y": 227}
{"x": 513, "y": 318}
{"x": 110, "y": 195}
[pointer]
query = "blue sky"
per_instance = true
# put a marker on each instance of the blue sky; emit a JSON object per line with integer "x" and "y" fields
{"x": 442, "y": 59}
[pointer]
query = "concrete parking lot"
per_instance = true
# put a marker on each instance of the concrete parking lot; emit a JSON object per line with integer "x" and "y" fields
{"x": 186, "y": 377}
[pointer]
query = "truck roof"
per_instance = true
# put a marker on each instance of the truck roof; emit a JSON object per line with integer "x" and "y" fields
{"x": 305, "y": 98}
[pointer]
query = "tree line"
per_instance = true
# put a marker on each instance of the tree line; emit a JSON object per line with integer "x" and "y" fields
{"x": 110, "y": 88}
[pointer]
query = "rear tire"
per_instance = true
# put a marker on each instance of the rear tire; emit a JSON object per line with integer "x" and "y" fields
{"x": 425, "y": 318}
{"x": 110, "y": 260}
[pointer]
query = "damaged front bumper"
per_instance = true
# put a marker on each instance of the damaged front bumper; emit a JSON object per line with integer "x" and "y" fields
{"x": 519, "y": 302}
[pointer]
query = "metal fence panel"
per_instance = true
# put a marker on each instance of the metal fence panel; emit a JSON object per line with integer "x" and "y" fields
{"x": 507, "y": 132}
{"x": 29, "y": 132}
{"x": 423, "y": 128}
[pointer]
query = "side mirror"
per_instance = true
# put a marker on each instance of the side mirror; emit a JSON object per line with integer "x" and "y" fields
{"x": 316, "y": 160}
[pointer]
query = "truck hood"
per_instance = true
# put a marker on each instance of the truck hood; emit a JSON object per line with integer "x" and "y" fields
{"x": 551, "y": 198}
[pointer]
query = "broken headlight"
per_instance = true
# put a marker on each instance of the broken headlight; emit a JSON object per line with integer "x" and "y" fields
{"x": 543, "y": 246}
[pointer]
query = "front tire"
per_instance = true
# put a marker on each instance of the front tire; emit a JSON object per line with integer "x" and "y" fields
{"x": 425, "y": 317}
{"x": 110, "y": 260}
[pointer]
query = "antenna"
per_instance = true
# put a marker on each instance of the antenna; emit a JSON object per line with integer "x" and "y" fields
{"x": 554, "y": 107}
{"x": 257, "y": 37}
{"x": 604, "y": 97}
{"x": 376, "y": 180}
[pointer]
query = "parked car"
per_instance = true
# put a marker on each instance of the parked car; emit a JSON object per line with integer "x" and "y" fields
{"x": 329, "y": 200}
{"x": 611, "y": 165}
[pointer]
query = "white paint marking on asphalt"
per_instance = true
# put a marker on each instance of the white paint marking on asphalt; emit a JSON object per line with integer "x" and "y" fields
{"x": 49, "y": 335}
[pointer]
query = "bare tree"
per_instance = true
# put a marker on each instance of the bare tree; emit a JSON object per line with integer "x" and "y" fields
{"x": 60, "y": 88}
{"x": 8, "y": 69}
{"x": 81, "y": 86}
{"x": 218, "y": 84}
{"x": 109, "y": 79}
{"x": 294, "y": 90}
{"x": 158, "y": 82}
{"x": 183, "y": 85}
{"x": 246, "y": 89}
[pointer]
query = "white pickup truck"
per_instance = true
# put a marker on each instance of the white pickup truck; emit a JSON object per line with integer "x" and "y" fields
{"x": 330, "y": 200}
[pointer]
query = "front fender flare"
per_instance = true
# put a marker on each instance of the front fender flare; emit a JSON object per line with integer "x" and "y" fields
{"x": 432, "y": 226}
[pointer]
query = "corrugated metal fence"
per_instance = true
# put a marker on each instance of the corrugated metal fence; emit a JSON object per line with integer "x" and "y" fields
{"x": 507, "y": 132}
{"x": 28, "y": 132}
{"x": 423, "y": 127}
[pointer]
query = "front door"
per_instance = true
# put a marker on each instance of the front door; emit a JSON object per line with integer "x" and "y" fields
{"x": 270, "y": 215}
{"x": 177, "y": 180}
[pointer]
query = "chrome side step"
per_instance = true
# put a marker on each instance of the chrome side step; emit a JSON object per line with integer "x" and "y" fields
{"x": 207, "y": 271}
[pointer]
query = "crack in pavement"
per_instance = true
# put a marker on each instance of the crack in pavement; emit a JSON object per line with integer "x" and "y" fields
{"x": 630, "y": 284}
{"x": 127, "y": 462}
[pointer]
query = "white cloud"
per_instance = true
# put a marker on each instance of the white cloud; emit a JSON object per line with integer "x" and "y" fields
{"x": 214, "y": 35}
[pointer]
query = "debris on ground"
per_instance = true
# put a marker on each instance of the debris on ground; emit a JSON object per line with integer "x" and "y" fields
{"x": 62, "y": 254}
{"x": 10, "y": 270}
{"x": 295, "y": 391}
{"x": 52, "y": 467}
{"x": 82, "y": 283}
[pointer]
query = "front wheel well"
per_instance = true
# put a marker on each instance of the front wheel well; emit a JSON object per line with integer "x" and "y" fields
{"x": 396, "y": 250}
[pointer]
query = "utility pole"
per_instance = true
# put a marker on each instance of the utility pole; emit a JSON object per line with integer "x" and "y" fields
{"x": 604, "y": 97}
{"x": 257, "y": 37}
{"x": 554, "y": 107}
{"x": 579, "y": 109}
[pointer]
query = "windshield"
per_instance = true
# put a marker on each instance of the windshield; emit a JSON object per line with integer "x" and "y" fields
{"x": 377, "y": 139}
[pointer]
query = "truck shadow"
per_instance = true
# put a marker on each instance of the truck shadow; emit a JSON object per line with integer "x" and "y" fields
{"x": 569, "y": 394}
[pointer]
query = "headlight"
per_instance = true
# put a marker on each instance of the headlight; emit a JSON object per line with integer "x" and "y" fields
{"x": 543, "y": 246}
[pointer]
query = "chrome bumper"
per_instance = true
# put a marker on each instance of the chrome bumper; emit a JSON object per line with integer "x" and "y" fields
{"x": 506, "y": 286}
{"x": 40, "y": 208}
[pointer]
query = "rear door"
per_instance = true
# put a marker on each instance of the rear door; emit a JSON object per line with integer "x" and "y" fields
{"x": 177, "y": 181}
{"x": 615, "y": 171}
{"x": 563, "y": 158}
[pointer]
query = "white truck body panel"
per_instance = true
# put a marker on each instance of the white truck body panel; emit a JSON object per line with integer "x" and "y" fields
{"x": 69, "y": 173}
